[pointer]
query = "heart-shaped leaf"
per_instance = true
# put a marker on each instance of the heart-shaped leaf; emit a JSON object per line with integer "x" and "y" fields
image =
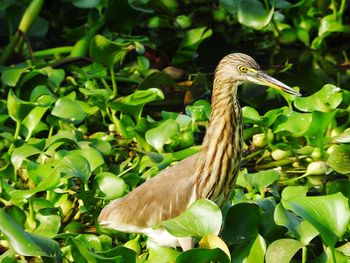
{"x": 282, "y": 250}
{"x": 202, "y": 218}
{"x": 252, "y": 13}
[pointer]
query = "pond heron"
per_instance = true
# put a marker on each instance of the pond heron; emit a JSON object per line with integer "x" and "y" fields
{"x": 211, "y": 173}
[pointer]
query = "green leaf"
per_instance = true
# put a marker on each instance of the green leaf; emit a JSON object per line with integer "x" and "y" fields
{"x": 69, "y": 110}
{"x": 203, "y": 255}
{"x": 252, "y": 13}
{"x": 32, "y": 120}
{"x": 282, "y": 250}
{"x": 237, "y": 230}
{"x": 86, "y": 3}
{"x": 107, "y": 52}
{"x": 203, "y": 217}
{"x": 93, "y": 156}
{"x": 342, "y": 138}
{"x": 18, "y": 109}
{"x": 49, "y": 225}
{"x": 339, "y": 158}
{"x": 22, "y": 153}
{"x": 329, "y": 24}
{"x": 55, "y": 76}
{"x": 257, "y": 250}
{"x": 326, "y": 99}
{"x": 329, "y": 214}
{"x": 73, "y": 164}
{"x": 262, "y": 179}
{"x": 25, "y": 243}
{"x": 11, "y": 76}
{"x": 294, "y": 122}
{"x": 250, "y": 115}
{"x": 159, "y": 254}
{"x": 159, "y": 136}
{"x": 110, "y": 185}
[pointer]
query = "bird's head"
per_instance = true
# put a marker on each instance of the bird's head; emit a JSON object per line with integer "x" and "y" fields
{"x": 243, "y": 68}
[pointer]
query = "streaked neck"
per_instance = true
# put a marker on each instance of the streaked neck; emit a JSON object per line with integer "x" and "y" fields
{"x": 221, "y": 150}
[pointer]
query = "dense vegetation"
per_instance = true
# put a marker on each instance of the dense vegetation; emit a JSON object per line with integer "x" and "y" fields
{"x": 99, "y": 96}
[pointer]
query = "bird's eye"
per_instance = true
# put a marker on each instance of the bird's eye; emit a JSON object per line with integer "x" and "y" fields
{"x": 243, "y": 69}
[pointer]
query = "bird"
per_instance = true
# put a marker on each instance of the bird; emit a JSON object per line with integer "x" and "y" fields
{"x": 211, "y": 173}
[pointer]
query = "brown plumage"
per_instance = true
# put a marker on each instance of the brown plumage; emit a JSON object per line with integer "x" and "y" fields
{"x": 211, "y": 173}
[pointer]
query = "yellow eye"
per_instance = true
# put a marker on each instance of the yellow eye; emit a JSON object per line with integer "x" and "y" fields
{"x": 243, "y": 69}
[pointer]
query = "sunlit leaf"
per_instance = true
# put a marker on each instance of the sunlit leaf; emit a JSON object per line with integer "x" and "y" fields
{"x": 293, "y": 122}
{"x": 329, "y": 214}
{"x": 11, "y": 76}
{"x": 339, "y": 159}
{"x": 18, "y": 109}
{"x": 160, "y": 254}
{"x": 25, "y": 243}
{"x": 21, "y": 153}
{"x": 69, "y": 110}
{"x": 212, "y": 241}
{"x": 158, "y": 136}
{"x": 282, "y": 250}
{"x": 325, "y": 100}
{"x": 262, "y": 179}
{"x": 110, "y": 185}
{"x": 202, "y": 218}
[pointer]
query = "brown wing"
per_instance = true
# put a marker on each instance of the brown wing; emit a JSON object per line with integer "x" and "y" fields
{"x": 160, "y": 198}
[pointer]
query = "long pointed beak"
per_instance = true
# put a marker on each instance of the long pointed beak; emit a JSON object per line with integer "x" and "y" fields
{"x": 264, "y": 79}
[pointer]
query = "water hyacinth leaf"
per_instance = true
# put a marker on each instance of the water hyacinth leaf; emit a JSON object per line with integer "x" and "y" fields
{"x": 86, "y": 3}
{"x": 135, "y": 102}
{"x": 200, "y": 110}
{"x": 294, "y": 122}
{"x": 283, "y": 217}
{"x": 257, "y": 250}
{"x": 50, "y": 181}
{"x": 84, "y": 253}
{"x": 250, "y": 115}
{"x": 17, "y": 109}
{"x": 22, "y": 153}
{"x": 342, "y": 138}
{"x": 238, "y": 231}
{"x": 141, "y": 97}
{"x": 110, "y": 185}
{"x": 159, "y": 135}
{"x": 307, "y": 232}
{"x": 195, "y": 222}
{"x": 127, "y": 126}
{"x": 203, "y": 255}
{"x": 69, "y": 110}
{"x": 73, "y": 164}
{"x": 329, "y": 214}
{"x": 292, "y": 191}
{"x": 107, "y": 52}
{"x": 252, "y": 13}
{"x": 189, "y": 44}
{"x": 160, "y": 254}
{"x": 339, "y": 159}
{"x": 325, "y": 100}
{"x": 93, "y": 156}
{"x": 319, "y": 126}
{"x": 32, "y": 120}
{"x": 157, "y": 79}
{"x": 55, "y": 76}
{"x": 262, "y": 179}
{"x": 25, "y": 243}
{"x": 212, "y": 241}
{"x": 282, "y": 250}
{"x": 329, "y": 24}
{"x": 11, "y": 76}
{"x": 49, "y": 225}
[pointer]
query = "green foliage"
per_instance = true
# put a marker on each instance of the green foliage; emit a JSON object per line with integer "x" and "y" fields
{"x": 99, "y": 96}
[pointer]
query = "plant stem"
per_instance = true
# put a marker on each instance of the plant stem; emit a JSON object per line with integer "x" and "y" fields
{"x": 53, "y": 51}
{"x": 304, "y": 254}
{"x": 332, "y": 254}
{"x": 114, "y": 84}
